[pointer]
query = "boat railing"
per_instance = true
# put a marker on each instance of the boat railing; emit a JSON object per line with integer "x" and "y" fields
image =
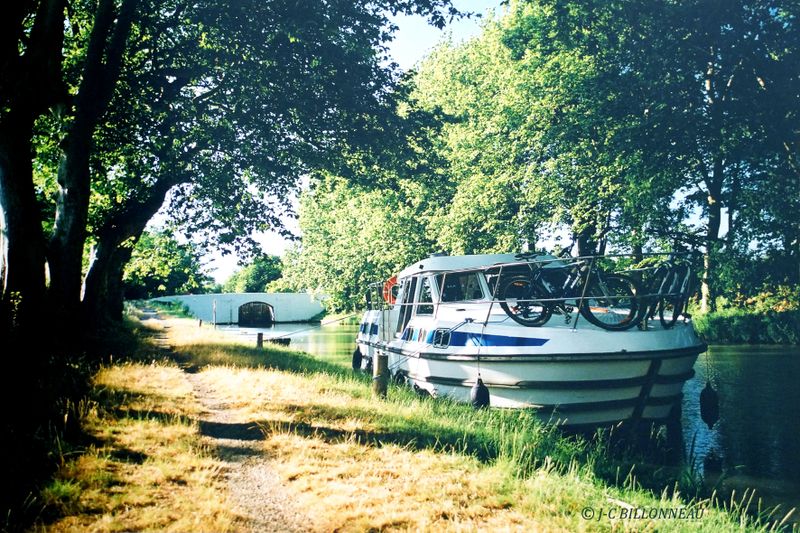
{"x": 636, "y": 284}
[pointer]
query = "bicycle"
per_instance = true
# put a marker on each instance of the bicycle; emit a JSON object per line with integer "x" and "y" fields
{"x": 554, "y": 286}
{"x": 669, "y": 290}
{"x": 679, "y": 288}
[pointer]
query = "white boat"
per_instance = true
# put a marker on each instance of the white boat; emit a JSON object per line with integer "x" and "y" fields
{"x": 452, "y": 322}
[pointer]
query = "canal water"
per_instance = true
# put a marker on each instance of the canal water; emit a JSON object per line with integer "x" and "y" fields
{"x": 754, "y": 445}
{"x": 756, "y": 442}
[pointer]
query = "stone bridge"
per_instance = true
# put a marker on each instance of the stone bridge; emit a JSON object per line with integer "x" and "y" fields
{"x": 253, "y": 309}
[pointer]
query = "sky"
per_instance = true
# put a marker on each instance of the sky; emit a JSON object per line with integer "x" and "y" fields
{"x": 414, "y": 39}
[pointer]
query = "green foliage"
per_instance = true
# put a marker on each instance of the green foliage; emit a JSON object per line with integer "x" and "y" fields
{"x": 769, "y": 316}
{"x": 174, "y": 309}
{"x": 161, "y": 266}
{"x": 256, "y": 276}
{"x": 741, "y": 326}
{"x": 61, "y": 496}
{"x": 595, "y": 120}
{"x": 236, "y": 103}
{"x": 351, "y": 237}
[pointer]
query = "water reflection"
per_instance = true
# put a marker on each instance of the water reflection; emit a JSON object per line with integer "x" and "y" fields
{"x": 333, "y": 343}
{"x": 757, "y": 439}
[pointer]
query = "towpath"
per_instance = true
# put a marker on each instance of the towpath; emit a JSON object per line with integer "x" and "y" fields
{"x": 260, "y": 501}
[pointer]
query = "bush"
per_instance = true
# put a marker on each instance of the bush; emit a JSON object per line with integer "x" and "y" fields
{"x": 741, "y": 326}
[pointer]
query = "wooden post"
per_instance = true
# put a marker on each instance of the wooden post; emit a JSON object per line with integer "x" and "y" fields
{"x": 380, "y": 374}
{"x": 260, "y": 341}
{"x": 200, "y": 324}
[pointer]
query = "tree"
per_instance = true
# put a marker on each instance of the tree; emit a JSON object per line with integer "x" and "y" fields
{"x": 634, "y": 125}
{"x": 625, "y": 121}
{"x": 530, "y": 147}
{"x": 693, "y": 76}
{"x": 353, "y": 236}
{"x": 232, "y": 102}
{"x": 162, "y": 266}
{"x": 256, "y": 276}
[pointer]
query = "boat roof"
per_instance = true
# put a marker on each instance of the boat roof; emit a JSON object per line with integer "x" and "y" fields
{"x": 443, "y": 263}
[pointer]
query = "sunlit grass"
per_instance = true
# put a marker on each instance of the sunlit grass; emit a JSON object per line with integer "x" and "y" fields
{"x": 354, "y": 462}
{"x": 413, "y": 463}
{"x": 145, "y": 467}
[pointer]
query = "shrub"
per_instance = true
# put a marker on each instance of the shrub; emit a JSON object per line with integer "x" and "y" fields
{"x": 741, "y": 326}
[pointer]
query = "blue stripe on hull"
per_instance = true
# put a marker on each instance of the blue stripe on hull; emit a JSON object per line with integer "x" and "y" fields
{"x": 461, "y": 338}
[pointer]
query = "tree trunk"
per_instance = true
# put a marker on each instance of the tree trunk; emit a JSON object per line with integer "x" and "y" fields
{"x": 714, "y": 207}
{"x": 31, "y": 84}
{"x": 637, "y": 253}
{"x": 23, "y": 284}
{"x": 101, "y": 71}
{"x": 102, "y": 300}
{"x": 586, "y": 242}
{"x": 65, "y": 251}
{"x": 733, "y": 206}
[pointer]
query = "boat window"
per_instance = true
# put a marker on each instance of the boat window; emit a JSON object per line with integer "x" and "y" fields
{"x": 460, "y": 286}
{"x": 405, "y": 300}
{"x": 425, "y": 300}
{"x": 441, "y": 338}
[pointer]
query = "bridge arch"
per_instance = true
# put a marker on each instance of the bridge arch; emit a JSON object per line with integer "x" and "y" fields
{"x": 256, "y": 315}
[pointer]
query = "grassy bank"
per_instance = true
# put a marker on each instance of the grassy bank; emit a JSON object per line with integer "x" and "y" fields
{"x": 174, "y": 309}
{"x": 355, "y": 462}
{"x": 741, "y": 326}
{"x": 142, "y": 465}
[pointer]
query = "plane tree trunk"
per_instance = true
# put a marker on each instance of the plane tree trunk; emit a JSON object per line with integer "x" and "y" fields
{"x": 30, "y": 84}
{"x": 101, "y": 70}
{"x": 23, "y": 268}
{"x": 103, "y": 295}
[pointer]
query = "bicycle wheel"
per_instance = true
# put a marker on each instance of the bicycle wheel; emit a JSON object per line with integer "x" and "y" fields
{"x": 669, "y": 309}
{"x": 648, "y": 302}
{"x": 520, "y": 299}
{"x": 610, "y": 302}
{"x": 673, "y": 289}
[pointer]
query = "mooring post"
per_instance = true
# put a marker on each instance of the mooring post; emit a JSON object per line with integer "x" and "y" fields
{"x": 260, "y": 341}
{"x": 380, "y": 374}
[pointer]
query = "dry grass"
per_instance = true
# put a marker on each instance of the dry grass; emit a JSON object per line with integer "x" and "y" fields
{"x": 146, "y": 469}
{"x": 352, "y": 462}
{"x": 350, "y": 459}
{"x": 353, "y": 487}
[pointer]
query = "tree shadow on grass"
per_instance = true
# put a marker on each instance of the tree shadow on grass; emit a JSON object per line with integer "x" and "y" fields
{"x": 194, "y": 357}
{"x": 387, "y": 426}
{"x": 444, "y": 427}
{"x": 126, "y": 455}
{"x": 114, "y": 402}
{"x": 228, "y": 430}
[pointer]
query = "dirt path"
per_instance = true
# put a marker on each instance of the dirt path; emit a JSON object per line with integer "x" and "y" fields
{"x": 260, "y": 500}
{"x": 255, "y": 489}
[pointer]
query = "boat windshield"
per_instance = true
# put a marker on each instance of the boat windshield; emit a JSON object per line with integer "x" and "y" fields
{"x": 460, "y": 286}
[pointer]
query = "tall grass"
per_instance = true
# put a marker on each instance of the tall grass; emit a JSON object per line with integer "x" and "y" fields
{"x": 141, "y": 464}
{"x": 175, "y": 309}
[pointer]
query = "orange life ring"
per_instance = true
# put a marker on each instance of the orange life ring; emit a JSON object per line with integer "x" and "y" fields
{"x": 387, "y": 290}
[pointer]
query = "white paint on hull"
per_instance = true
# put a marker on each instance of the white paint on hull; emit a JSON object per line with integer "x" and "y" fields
{"x": 579, "y": 376}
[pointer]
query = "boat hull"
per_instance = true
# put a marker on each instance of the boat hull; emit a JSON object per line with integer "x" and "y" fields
{"x": 575, "y": 378}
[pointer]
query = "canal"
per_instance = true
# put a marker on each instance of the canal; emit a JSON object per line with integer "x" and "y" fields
{"x": 756, "y": 442}
{"x": 754, "y": 445}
